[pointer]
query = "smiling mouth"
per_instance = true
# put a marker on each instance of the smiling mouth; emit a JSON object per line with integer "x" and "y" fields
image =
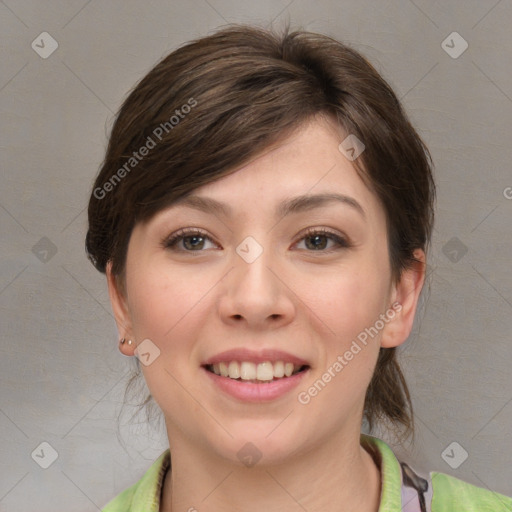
{"x": 258, "y": 373}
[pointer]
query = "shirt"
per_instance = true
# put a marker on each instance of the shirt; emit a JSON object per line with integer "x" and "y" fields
{"x": 449, "y": 494}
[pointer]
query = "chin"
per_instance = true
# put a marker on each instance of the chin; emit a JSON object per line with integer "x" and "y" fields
{"x": 261, "y": 442}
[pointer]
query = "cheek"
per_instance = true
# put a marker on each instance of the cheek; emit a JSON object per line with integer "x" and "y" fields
{"x": 167, "y": 309}
{"x": 348, "y": 301}
{"x": 348, "y": 311}
{"x": 162, "y": 303}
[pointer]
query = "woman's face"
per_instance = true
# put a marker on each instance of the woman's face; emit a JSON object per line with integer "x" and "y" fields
{"x": 262, "y": 279}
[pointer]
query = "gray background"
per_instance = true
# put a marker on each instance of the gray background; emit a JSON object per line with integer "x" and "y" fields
{"x": 62, "y": 376}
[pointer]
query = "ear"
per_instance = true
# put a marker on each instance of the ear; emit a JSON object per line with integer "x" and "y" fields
{"x": 121, "y": 312}
{"x": 406, "y": 293}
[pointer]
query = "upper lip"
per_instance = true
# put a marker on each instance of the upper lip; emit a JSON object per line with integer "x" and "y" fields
{"x": 260, "y": 356}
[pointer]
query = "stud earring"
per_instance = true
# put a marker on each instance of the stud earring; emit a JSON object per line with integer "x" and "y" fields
{"x": 123, "y": 340}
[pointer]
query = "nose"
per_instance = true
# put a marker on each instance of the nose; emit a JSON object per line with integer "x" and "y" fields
{"x": 257, "y": 293}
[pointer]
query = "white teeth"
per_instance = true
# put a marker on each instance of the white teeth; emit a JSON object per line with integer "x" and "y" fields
{"x": 265, "y": 371}
{"x": 279, "y": 369}
{"x": 224, "y": 369}
{"x": 249, "y": 371}
{"x": 234, "y": 370}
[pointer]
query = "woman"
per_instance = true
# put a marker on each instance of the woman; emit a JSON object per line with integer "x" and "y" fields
{"x": 263, "y": 215}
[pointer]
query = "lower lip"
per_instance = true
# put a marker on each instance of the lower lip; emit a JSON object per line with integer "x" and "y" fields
{"x": 252, "y": 392}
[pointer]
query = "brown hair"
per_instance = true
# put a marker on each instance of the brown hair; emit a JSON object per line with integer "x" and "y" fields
{"x": 218, "y": 102}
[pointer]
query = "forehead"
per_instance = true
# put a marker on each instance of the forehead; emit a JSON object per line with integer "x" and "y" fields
{"x": 307, "y": 170}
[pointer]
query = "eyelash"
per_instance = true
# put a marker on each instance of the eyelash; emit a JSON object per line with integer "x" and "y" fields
{"x": 343, "y": 243}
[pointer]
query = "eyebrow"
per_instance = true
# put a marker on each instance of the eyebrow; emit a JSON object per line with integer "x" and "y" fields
{"x": 289, "y": 206}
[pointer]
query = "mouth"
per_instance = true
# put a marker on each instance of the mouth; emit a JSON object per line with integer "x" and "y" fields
{"x": 256, "y": 373}
{"x": 255, "y": 376}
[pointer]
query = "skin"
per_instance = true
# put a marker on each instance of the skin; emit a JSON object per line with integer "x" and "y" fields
{"x": 310, "y": 302}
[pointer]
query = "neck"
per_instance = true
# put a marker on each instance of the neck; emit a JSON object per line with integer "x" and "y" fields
{"x": 341, "y": 476}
